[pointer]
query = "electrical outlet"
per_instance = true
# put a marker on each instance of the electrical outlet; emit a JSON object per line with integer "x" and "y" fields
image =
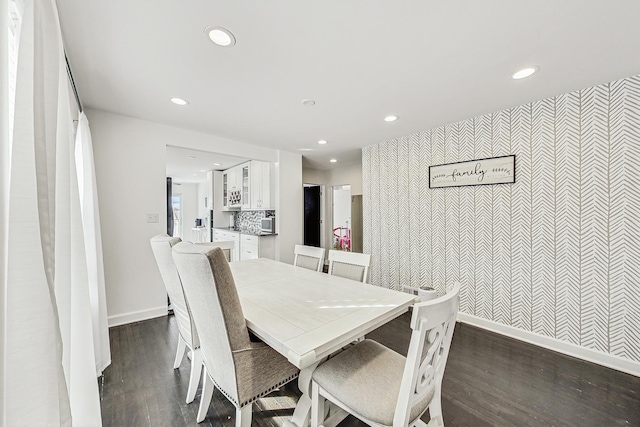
{"x": 153, "y": 217}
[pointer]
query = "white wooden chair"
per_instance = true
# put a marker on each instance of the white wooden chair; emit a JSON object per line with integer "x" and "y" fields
{"x": 382, "y": 388}
{"x": 187, "y": 333}
{"x": 350, "y": 265}
{"x": 242, "y": 370}
{"x": 309, "y": 257}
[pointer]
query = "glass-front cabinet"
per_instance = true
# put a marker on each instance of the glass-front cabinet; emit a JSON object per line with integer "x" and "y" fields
{"x": 225, "y": 191}
{"x": 246, "y": 199}
{"x": 248, "y": 186}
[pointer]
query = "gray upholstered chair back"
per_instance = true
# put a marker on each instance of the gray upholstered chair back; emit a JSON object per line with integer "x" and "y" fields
{"x": 309, "y": 257}
{"x": 215, "y": 307}
{"x": 350, "y": 265}
{"x": 433, "y": 323}
{"x": 161, "y": 246}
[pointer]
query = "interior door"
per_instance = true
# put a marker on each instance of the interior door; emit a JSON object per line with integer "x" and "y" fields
{"x": 312, "y": 216}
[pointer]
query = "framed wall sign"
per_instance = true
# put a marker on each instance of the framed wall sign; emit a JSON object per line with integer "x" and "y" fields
{"x": 495, "y": 170}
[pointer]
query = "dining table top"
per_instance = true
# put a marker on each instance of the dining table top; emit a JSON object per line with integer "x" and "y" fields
{"x": 306, "y": 315}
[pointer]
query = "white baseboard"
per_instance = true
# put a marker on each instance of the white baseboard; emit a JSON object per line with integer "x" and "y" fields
{"x": 136, "y": 316}
{"x": 604, "y": 359}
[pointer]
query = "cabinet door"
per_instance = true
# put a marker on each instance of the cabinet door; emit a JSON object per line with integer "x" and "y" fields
{"x": 256, "y": 190}
{"x": 266, "y": 195}
{"x": 249, "y": 247}
{"x": 234, "y": 190}
{"x": 261, "y": 185}
{"x": 245, "y": 176}
{"x": 225, "y": 191}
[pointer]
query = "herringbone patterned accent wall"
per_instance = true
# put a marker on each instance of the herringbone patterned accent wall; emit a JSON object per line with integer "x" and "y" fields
{"x": 558, "y": 252}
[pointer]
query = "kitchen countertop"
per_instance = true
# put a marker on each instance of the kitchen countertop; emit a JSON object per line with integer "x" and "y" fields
{"x": 250, "y": 233}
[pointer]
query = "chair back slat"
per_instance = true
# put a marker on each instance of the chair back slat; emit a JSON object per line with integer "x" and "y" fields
{"x": 433, "y": 323}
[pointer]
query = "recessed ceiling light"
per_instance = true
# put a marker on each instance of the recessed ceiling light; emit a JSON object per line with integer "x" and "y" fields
{"x": 306, "y": 149}
{"x": 191, "y": 157}
{"x": 194, "y": 174}
{"x": 216, "y": 164}
{"x": 308, "y": 102}
{"x": 525, "y": 72}
{"x": 333, "y": 160}
{"x": 391, "y": 118}
{"x": 220, "y": 36}
{"x": 322, "y": 142}
{"x": 179, "y": 101}
{"x": 202, "y": 170}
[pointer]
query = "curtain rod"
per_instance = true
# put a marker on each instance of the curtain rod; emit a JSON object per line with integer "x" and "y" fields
{"x": 73, "y": 83}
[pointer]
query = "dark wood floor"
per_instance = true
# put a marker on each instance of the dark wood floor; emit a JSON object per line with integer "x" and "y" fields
{"x": 490, "y": 380}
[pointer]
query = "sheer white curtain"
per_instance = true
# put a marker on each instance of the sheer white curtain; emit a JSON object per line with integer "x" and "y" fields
{"x": 49, "y": 367}
{"x": 93, "y": 242}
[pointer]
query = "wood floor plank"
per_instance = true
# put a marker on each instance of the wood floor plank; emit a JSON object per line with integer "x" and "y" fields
{"x": 490, "y": 380}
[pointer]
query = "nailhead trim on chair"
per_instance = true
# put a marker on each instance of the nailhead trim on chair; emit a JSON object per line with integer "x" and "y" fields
{"x": 253, "y": 399}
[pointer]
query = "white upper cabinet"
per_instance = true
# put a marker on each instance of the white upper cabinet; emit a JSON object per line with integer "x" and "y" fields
{"x": 245, "y": 185}
{"x": 249, "y": 186}
{"x": 261, "y": 181}
{"x": 233, "y": 191}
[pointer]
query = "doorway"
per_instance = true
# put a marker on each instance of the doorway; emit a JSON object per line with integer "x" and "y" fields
{"x": 176, "y": 203}
{"x": 312, "y": 215}
{"x": 341, "y": 218}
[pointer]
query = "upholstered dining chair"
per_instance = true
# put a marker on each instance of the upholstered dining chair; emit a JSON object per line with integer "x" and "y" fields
{"x": 309, "y": 257}
{"x": 187, "y": 333}
{"x": 350, "y": 265}
{"x": 241, "y": 369}
{"x": 383, "y": 388}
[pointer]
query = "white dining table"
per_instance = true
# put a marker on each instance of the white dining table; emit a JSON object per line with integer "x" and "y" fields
{"x": 306, "y": 315}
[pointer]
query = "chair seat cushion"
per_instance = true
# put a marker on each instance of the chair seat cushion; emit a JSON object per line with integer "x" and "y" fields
{"x": 366, "y": 378}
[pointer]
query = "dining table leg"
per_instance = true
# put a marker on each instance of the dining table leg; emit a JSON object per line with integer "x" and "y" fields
{"x": 302, "y": 413}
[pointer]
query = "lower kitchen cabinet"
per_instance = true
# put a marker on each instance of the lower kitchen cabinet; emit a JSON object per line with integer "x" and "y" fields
{"x": 253, "y": 247}
{"x": 247, "y": 246}
{"x": 229, "y": 235}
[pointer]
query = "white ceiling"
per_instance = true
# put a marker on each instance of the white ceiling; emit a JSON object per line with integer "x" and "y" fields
{"x": 191, "y": 166}
{"x": 430, "y": 62}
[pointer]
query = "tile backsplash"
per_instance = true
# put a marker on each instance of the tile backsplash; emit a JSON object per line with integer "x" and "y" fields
{"x": 250, "y": 220}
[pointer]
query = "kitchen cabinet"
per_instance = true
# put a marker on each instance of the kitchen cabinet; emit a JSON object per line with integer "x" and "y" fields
{"x": 245, "y": 176}
{"x": 261, "y": 181}
{"x": 229, "y": 235}
{"x": 249, "y": 186}
{"x": 232, "y": 188}
{"x": 250, "y": 246}
{"x": 254, "y": 247}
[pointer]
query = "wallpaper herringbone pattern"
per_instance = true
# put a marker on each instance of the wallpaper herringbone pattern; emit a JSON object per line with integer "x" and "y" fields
{"x": 558, "y": 252}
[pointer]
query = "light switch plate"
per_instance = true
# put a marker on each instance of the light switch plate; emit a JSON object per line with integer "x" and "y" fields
{"x": 153, "y": 217}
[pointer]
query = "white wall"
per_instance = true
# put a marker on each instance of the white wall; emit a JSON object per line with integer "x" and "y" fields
{"x": 348, "y": 175}
{"x": 289, "y": 205}
{"x": 130, "y": 173}
{"x": 130, "y": 157}
{"x": 314, "y": 176}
